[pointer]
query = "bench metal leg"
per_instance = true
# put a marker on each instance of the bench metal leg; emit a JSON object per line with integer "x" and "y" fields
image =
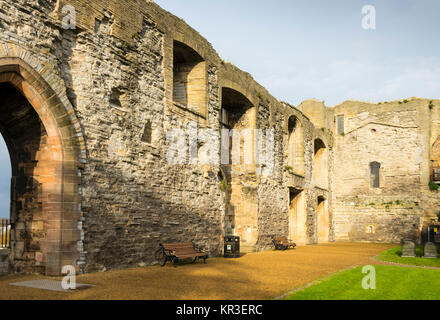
{"x": 165, "y": 259}
{"x": 175, "y": 260}
{"x": 204, "y": 260}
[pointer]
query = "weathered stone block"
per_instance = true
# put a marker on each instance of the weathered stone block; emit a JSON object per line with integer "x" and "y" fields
{"x": 408, "y": 249}
{"x": 430, "y": 250}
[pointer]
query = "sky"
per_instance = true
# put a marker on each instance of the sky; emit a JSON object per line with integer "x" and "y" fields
{"x": 304, "y": 49}
{"x": 5, "y": 180}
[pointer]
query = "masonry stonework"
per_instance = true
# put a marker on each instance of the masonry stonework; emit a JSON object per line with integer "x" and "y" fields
{"x": 95, "y": 187}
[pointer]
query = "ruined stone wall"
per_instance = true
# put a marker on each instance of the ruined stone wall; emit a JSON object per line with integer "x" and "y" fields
{"x": 305, "y": 182}
{"x": 133, "y": 199}
{"x": 272, "y": 195}
{"x": 393, "y": 134}
{"x": 116, "y": 70}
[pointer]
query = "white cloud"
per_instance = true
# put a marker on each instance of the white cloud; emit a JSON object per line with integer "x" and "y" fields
{"x": 359, "y": 80}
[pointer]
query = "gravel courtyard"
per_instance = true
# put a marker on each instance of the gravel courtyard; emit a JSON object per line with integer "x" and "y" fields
{"x": 254, "y": 276}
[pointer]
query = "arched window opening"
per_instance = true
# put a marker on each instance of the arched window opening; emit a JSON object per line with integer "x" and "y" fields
{"x": 340, "y": 119}
{"x": 237, "y": 116}
{"x": 320, "y": 166}
{"x": 435, "y": 161}
{"x": 295, "y": 149}
{"x": 148, "y": 133}
{"x": 189, "y": 79}
{"x": 375, "y": 174}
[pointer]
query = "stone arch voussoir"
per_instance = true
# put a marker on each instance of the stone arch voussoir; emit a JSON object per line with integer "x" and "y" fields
{"x": 45, "y": 91}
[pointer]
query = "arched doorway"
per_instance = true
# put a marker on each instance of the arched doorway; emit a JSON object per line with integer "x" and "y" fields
{"x": 238, "y": 119}
{"x": 323, "y": 220}
{"x": 5, "y": 181}
{"x": 297, "y": 216}
{"x": 44, "y": 161}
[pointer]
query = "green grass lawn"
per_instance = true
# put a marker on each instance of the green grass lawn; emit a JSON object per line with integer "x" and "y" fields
{"x": 394, "y": 255}
{"x": 392, "y": 283}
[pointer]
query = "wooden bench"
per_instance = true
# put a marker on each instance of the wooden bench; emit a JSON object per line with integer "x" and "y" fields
{"x": 179, "y": 251}
{"x": 282, "y": 243}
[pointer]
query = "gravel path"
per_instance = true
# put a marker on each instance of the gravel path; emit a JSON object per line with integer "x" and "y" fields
{"x": 264, "y": 275}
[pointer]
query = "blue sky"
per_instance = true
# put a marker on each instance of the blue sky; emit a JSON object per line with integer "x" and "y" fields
{"x": 302, "y": 49}
{"x": 5, "y": 181}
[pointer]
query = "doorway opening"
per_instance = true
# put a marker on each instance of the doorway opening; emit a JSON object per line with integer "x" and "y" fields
{"x": 323, "y": 220}
{"x": 238, "y": 121}
{"x": 44, "y": 158}
{"x": 297, "y": 216}
{"x": 5, "y": 195}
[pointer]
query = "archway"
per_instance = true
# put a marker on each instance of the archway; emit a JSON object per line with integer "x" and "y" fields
{"x": 297, "y": 216}
{"x": 323, "y": 220}
{"x": 44, "y": 161}
{"x": 5, "y": 188}
{"x": 320, "y": 169}
{"x": 238, "y": 120}
{"x": 295, "y": 146}
{"x": 435, "y": 161}
{"x": 189, "y": 78}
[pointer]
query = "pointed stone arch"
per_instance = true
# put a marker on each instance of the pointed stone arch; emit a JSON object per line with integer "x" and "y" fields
{"x": 295, "y": 146}
{"x": 56, "y": 171}
{"x": 238, "y": 114}
{"x": 320, "y": 164}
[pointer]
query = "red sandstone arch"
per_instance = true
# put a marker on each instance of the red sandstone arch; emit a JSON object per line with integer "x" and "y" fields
{"x": 57, "y": 170}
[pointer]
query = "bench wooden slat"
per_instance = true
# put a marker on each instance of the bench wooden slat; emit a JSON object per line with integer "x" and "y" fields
{"x": 184, "y": 256}
{"x": 283, "y": 243}
{"x": 184, "y": 250}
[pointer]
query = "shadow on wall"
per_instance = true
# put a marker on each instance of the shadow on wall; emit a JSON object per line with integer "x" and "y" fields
{"x": 119, "y": 235}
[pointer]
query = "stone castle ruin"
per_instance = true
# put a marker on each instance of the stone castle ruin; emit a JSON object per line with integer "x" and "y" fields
{"x": 86, "y": 111}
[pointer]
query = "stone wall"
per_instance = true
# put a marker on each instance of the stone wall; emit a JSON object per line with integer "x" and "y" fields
{"x": 116, "y": 72}
{"x": 394, "y": 135}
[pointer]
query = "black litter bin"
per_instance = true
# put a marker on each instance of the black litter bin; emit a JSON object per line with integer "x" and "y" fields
{"x": 430, "y": 234}
{"x": 232, "y": 247}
